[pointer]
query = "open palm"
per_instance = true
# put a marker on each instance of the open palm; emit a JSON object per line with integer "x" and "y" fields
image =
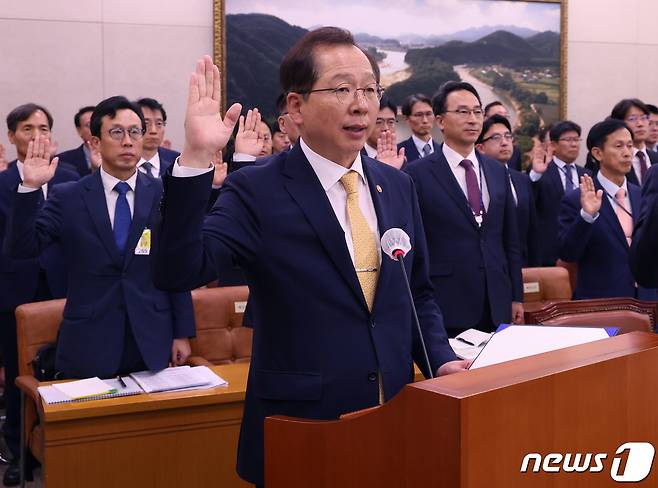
{"x": 205, "y": 129}
{"x": 38, "y": 169}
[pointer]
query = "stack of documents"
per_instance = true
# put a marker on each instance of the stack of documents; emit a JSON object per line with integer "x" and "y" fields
{"x": 170, "y": 379}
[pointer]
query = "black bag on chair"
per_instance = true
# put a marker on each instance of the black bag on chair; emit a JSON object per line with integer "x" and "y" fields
{"x": 44, "y": 363}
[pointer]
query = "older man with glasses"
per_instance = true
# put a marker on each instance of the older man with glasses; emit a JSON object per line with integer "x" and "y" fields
{"x": 417, "y": 112}
{"x": 470, "y": 220}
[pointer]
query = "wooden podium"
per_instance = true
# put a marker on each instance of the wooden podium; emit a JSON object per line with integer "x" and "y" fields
{"x": 473, "y": 429}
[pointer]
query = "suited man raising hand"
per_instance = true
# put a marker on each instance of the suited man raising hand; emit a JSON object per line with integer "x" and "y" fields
{"x": 334, "y": 331}
{"x": 115, "y": 320}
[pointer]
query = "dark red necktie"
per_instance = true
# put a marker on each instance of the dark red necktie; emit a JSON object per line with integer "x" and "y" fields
{"x": 472, "y": 187}
{"x": 643, "y": 164}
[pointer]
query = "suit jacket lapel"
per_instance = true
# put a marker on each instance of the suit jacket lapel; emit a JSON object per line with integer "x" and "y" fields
{"x": 554, "y": 174}
{"x": 444, "y": 175}
{"x": 635, "y": 195}
{"x": 305, "y": 188}
{"x": 382, "y": 206}
{"x": 144, "y": 193}
{"x": 94, "y": 198}
{"x": 609, "y": 215}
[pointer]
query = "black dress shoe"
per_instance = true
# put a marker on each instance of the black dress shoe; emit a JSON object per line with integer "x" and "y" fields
{"x": 12, "y": 475}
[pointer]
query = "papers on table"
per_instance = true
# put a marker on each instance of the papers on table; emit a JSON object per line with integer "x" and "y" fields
{"x": 469, "y": 343}
{"x": 170, "y": 379}
{"x": 180, "y": 378}
{"x": 519, "y": 341}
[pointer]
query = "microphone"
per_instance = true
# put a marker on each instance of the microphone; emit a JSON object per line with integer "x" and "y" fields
{"x": 396, "y": 244}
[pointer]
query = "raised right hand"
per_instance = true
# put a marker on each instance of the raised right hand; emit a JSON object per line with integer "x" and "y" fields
{"x": 3, "y": 159}
{"x": 540, "y": 159}
{"x": 205, "y": 130}
{"x": 38, "y": 169}
{"x": 590, "y": 198}
{"x": 249, "y": 140}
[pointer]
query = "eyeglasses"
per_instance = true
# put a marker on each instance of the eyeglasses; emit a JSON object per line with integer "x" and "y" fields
{"x": 423, "y": 115}
{"x": 118, "y": 133}
{"x": 387, "y": 122}
{"x": 344, "y": 93}
{"x": 570, "y": 140}
{"x": 497, "y": 138}
{"x": 159, "y": 124}
{"x": 635, "y": 118}
{"x": 463, "y": 113}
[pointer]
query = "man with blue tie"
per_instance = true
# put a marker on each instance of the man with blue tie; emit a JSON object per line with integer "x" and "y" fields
{"x": 470, "y": 220}
{"x": 596, "y": 221}
{"x": 24, "y": 280}
{"x": 115, "y": 320}
{"x": 496, "y": 141}
{"x": 417, "y": 112}
{"x": 333, "y": 328}
{"x": 155, "y": 160}
{"x": 551, "y": 180}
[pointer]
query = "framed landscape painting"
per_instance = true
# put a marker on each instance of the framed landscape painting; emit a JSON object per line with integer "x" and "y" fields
{"x": 512, "y": 51}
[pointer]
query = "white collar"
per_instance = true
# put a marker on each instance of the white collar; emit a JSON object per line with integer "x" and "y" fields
{"x": 328, "y": 172}
{"x": 370, "y": 151}
{"x": 109, "y": 181}
{"x": 155, "y": 161}
{"x": 610, "y": 187}
{"x": 560, "y": 163}
{"x": 420, "y": 144}
{"x": 454, "y": 158}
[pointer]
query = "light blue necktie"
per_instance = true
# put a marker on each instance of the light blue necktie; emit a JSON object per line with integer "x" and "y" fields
{"x": 122, "y": 218}
{"x": 569, "y": 183}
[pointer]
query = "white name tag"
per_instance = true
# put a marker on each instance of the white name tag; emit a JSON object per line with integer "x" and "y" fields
{"x": 240, "y": 307}
{"x": 532, "y": 287}
{"x": 144, "y": 244}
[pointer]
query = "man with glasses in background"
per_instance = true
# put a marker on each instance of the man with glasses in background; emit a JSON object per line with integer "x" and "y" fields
{"x": 385, "y": 122}
{"x": 155, "y": 160}
{"x": 333, "y": 330}
{"x": 551, "y": 180}
{"x": 81, "y": 157}
{"x": 115, "y": 320}
{"x": 496, "y": 141}
{"x": 417, "y": 112}
{"x": 636, "y": 115}
{"x": 470, "y": 220}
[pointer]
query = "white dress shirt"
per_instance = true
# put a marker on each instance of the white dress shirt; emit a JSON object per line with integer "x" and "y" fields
{"x": 562, "y": 171}
{"x": 111, "y": 196}
{"x": 370, "y": 151}
{"x": 27, "y": 189}
{"x": 155, "y": 161}
{"x": 511, "y": 184}
{"x": 420, "y": 144}
{"x": 454, "y": 158}
{"x": 636, "y": 163}
{"x": 329, "y": 174}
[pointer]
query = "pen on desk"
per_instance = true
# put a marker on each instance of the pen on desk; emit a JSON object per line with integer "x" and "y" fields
{"x": 465, "y": 341}
{"x": 123, "y": 383}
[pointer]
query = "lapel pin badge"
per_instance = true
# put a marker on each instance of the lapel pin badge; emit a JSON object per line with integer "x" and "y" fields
{"x": 379, "y": 188}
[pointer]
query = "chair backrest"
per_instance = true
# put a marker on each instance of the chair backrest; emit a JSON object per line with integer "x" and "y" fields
{"x": 37, "y": 324}
{"x": 220, "y": 337}
{"x": 572, "y": 269}
{"x": 626, "y": 313}
{"x": 546, "y": 284}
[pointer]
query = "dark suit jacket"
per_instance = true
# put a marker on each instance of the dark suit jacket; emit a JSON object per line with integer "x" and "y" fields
{"x": 548, "y": 192}
{"x": 526, "y": 219}
{"x": 600, "y": 249}
{"x": 107, "y": 292}
{"x": 410, "y": 150}
{"x": 19, "y": 277}
{"x": 644, "y": 259}
{"x": 632, "y": 176}
{"x": 167, "y": 158}
{"x": 467, "y": 261}
{"x": 76, "y": 158}
{"x": 515, "y": 160}
{"x": 316, "y": 347}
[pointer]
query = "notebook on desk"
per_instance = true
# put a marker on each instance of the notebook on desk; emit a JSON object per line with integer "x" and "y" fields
{"x": 51, "y": 394}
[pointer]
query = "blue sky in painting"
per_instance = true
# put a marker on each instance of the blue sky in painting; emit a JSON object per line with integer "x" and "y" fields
{"x": 392, "y": 18}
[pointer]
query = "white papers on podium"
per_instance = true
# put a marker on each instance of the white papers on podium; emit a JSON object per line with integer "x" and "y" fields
{"x": 519, "y": 341}
{"x": 469, "y": 343}
{"x": 177, "y": 379}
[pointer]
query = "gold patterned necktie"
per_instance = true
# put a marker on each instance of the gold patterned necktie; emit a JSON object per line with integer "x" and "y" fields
{"x": 366, "y": 258}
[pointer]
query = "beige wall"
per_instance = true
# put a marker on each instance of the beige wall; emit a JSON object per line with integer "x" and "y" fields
{"x": 69, "y": 53}
{"x": 612, "y": 54}
{"x": 65, "y": 54}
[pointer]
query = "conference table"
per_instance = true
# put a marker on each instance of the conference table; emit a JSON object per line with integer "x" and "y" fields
{"x": 161, "y": 440}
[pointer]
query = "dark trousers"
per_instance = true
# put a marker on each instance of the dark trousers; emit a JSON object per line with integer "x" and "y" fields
{"x": 11, "y": 427}
{"x": 131, "y": 358}
{"x": 485, "y": 324}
